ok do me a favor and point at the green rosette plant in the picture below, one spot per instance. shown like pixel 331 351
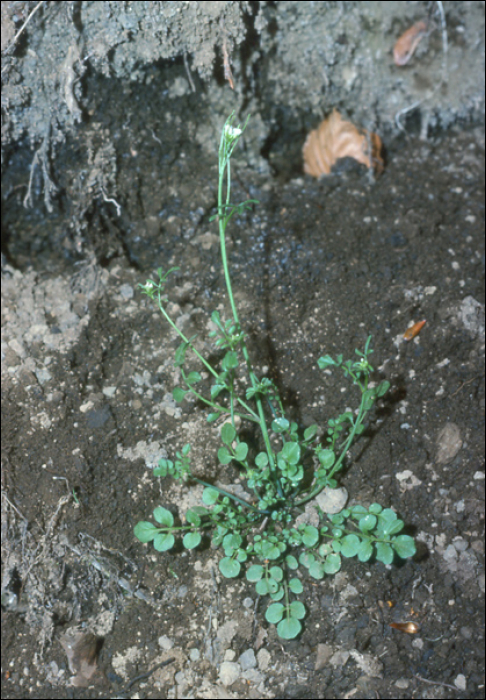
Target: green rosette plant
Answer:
pixel 284 470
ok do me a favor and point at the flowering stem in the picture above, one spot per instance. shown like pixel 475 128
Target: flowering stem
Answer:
pixel 229 139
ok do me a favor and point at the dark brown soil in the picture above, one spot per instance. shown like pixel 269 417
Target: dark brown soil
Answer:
pixel 87 411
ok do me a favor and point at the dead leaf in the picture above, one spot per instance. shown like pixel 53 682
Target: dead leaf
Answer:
pixel 335 138
pixel 405 46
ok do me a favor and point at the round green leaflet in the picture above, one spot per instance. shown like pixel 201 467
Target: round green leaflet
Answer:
pixel 289 628
pixel 145 531
pixel 261 460
pixel 255 572
pixel 291 452
pixel 384 553
pixel 224 456
pixel 229 567
pixel 210 496
pixel 332 563
pixel 375 508
pixel 297 609
pixel 275 613
pixel 163 541
pixel 232 541
pixel 310 535
pixel 404 546
pixel 191 540
pixel 367 523
pixel 365 550
pixel 350 546
pixel 276 573
pixel 296 586
pixel 163 516
pixel 228 433
pixel 266 585
pixel 178 394
pixel 241 451
pixel 316 569
pixel 291 562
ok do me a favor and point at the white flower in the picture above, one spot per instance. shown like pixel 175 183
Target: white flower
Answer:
pixel 232 132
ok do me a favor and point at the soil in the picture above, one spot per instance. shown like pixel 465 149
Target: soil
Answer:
pixel 87 408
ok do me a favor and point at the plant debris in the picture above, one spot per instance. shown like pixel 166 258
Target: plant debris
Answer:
pixel 414 330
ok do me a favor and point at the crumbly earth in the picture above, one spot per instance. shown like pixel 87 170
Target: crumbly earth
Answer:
pixel 317 266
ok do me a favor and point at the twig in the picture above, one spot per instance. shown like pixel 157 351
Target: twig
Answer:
pixel 463 385
pixel 189 76
pixel 149 673
pixel 425 680
pixel 28 197
pixel 23 27
pixel 14 507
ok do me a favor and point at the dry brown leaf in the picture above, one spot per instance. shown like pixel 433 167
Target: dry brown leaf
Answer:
pixel 405 46
pixel 336 138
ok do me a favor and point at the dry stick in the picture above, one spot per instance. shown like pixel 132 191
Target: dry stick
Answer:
pixel 23 27
pixel 149 673
pixel 28 197
pixel 14 507
pixel 425 680
pixel 186 66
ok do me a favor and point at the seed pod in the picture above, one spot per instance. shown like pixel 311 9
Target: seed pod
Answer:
pixel 414 330
pixel 408 627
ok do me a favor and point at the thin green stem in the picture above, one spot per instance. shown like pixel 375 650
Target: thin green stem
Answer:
pixel 222 409
pixel 230 495
pixel 181 334
pixel 338 463
pixel 224 167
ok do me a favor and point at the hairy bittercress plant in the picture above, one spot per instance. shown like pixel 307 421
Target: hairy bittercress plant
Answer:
pixel 284 469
